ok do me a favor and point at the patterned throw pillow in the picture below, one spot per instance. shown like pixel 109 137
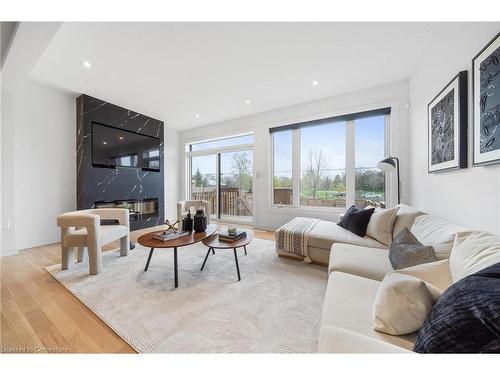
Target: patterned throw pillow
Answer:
pixel 407 251
pixel 466 318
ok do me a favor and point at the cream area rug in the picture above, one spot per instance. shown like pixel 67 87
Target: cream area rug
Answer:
pixel 275 308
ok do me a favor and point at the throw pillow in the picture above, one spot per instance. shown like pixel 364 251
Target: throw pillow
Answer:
pixel 405 218
pixel 402 304
pixel 406 251
pixel 466 318
pixel 432 230
pixel 356 220
pixel 381 224
pixel 473 251
pixel 436 274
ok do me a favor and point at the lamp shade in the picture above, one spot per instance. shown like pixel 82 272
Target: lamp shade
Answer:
pixel 387 165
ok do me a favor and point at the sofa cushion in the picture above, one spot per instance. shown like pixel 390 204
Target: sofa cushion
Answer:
pixel 403 303
pixel 356 220
pixel 348 305
pixel 466 318
pixel 407 251
pixel 404 218
pixel 432 230
pixel 360 260
pixel 325 233
pixel 342 341
pixel 381 225
pixel 473 251
pixel 435 273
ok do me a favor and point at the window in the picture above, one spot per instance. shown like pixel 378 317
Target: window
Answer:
pixel 322 165
pixel 282 173
pixel 330 162
pixel 369 181
pixel 221 172
pixel 224 142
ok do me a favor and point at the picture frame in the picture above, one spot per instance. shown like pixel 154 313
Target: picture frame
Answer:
pixel 486 104
pixel 447 120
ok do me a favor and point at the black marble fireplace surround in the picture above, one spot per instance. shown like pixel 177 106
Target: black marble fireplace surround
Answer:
pixel 142 191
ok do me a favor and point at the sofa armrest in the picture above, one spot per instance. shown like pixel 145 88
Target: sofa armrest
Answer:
pixel 338 340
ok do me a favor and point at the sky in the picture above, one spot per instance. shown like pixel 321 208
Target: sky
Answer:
pixel 369 145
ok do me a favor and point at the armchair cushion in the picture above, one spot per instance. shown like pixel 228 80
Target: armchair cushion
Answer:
pixel 109 233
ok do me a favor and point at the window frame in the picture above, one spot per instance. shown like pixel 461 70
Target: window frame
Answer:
pixel 350 167
pixel 217 151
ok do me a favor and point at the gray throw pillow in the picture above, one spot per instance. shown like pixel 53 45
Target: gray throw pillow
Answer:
pixel 407 251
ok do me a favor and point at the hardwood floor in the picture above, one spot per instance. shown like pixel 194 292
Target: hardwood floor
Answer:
pixel 40 315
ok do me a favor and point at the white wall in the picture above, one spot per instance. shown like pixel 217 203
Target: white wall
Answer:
pixel 394 95
pixel 471 196
pixel 38 149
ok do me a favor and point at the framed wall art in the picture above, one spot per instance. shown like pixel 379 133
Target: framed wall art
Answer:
pixel 447 126
pixel 486 99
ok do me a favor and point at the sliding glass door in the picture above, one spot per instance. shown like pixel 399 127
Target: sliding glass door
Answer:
pixel 204 180
pixel 235 192
pixel 222 173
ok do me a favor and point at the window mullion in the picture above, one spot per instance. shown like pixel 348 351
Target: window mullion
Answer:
pixel 296 167
pixel 350 163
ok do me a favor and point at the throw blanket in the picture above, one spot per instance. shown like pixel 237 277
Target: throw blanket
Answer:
pixel 293 236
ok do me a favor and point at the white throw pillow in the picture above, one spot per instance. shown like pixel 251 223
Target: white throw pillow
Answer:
pixel 472 251
pixel 405 218
pixel 437 275
pixel 432 230
pixel 381 224
pixel 402 304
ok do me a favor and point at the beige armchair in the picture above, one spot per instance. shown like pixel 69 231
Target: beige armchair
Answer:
pixel 83 230
pixel 184 206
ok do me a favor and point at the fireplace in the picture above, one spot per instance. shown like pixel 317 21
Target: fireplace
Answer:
pixel 140 209
pixel 140 190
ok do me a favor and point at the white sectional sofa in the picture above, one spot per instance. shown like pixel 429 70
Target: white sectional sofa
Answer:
pixel 356 273
pixel 357 266
pixel 325 233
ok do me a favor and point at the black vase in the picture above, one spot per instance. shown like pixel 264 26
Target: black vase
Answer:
pixel 199 221
pixel 187 223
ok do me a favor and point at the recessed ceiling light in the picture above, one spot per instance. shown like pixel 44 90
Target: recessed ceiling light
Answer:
pixel 104 143
pixel 86 64
pixel 197 115
pixel 315 83
pixel 248 101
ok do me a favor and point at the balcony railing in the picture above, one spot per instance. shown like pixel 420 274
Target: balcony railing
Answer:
pixel 284 196
pixel 234 202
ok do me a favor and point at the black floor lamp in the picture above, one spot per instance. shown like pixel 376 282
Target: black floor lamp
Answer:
pixel 388 165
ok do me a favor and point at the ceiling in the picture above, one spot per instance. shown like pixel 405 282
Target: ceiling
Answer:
pixel 193 74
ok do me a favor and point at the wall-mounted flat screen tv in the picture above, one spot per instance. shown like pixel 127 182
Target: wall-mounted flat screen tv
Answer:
pixel 114 147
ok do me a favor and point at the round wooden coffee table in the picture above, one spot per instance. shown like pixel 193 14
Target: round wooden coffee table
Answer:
pixel 148 241
pixel 213 242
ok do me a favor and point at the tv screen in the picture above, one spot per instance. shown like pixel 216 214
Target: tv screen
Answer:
pixel 114 147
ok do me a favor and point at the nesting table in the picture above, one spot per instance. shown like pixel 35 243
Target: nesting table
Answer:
pixel 213 243
pixel 147 240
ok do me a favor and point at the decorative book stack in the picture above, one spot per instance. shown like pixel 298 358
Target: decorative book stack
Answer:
pixel 165 236
pixel 226 236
